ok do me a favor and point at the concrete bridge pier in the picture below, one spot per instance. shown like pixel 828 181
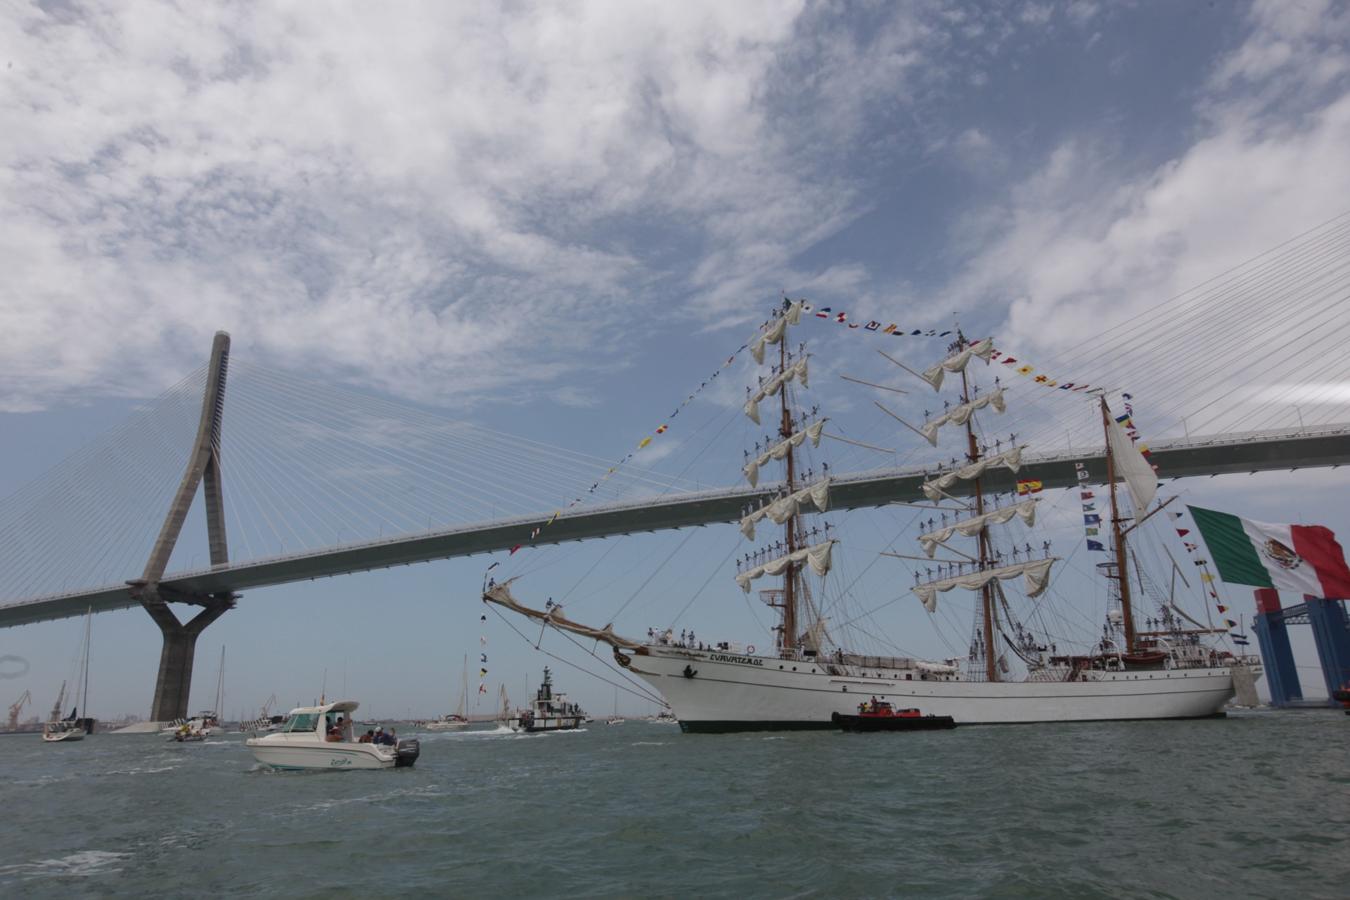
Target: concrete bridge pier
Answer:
pixel 173 683
pixel 204 468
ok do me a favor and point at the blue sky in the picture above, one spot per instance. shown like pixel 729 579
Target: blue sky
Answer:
pixel 556 220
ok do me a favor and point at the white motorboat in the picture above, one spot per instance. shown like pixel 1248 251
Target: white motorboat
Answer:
pixel 322 737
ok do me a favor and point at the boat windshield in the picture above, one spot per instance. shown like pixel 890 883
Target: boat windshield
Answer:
pixel 301 722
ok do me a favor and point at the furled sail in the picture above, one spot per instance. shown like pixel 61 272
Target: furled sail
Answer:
pixel 959 415
pixel 500 594
pixel 1026 511
pixel 774 333
pixel 979 350
pixel 781 449
pixel 1036 575
pixel 818 556
pixel 1012 459
pixel 1131 465
pixel 774 385
pixel 784 508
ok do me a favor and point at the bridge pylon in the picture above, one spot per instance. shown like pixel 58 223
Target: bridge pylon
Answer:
pixel 204 468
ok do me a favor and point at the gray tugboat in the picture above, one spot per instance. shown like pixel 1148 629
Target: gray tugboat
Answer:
pixel 549 711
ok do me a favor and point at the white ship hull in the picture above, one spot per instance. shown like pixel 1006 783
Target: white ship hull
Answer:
pixel 295 754
pixel 739 693
pixel 54 736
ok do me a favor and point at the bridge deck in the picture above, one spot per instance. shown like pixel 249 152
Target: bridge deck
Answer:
pixel 1176 459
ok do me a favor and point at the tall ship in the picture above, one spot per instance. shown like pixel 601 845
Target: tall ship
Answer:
pixel 1013 672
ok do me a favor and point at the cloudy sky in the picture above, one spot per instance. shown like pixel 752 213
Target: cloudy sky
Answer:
pixel 539 214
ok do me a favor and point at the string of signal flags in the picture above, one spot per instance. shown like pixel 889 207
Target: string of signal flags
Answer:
pixel 820 314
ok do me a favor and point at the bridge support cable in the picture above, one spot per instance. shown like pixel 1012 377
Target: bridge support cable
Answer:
pixel 174 679
pixel 1203 359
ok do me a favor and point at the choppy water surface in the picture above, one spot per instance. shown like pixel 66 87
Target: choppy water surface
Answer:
pixel 1256 806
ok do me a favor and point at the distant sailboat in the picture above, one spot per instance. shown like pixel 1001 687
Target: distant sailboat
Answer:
pixel 457 720
pixel 615 719
pixel 71 728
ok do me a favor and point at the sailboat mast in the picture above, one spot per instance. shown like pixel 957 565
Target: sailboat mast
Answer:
pixel 1122 573
pixel 84 693
pixel 220 685
pixel 788 639
pixel 986 595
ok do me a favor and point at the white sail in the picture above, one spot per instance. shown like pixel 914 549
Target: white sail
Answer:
pixel 1026 511
pixel 1036 576
pixel 1131 465
pixel 784 508
pixel 774 385
pixel 1012 459
pixel 775 332
pixel 979 350
pixel 818 556
pixel 959 415
pixel 781 449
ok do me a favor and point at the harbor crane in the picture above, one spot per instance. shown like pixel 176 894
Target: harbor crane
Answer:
pixel 17 707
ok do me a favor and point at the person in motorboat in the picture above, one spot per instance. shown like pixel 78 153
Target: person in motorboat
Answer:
pixel 321 737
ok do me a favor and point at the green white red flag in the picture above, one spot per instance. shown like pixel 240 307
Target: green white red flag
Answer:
pixel 1304 559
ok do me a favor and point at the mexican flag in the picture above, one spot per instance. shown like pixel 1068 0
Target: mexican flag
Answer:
pixel 1304 559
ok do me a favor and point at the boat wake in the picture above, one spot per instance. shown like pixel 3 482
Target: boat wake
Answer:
pixel 80 864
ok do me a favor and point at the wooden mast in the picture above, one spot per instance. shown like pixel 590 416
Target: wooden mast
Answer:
pixel 986 594
pixel 788 637
pixel 1122 573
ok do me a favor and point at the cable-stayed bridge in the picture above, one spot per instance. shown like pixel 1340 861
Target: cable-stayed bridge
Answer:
pixel 1265 451
pixel 298 480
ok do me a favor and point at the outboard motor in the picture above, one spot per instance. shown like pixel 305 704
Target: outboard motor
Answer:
pixel 406 752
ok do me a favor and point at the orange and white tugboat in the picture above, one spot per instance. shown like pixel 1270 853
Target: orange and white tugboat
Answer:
pixel 879 715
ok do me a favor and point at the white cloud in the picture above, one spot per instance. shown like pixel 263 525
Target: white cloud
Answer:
pixel 406 195
pixel 1087 242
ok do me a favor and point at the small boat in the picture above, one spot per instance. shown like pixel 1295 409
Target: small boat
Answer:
pixel 664 717
pixel 204 724
pixel 1342 696
pixel 64 730
pixel 185 734
pixel 549 711
pixel 615 719
pixel 322 737
pixel 457 720
pixel 72 727
pixel 878 715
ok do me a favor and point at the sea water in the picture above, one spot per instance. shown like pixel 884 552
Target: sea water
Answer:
pixel 1251 806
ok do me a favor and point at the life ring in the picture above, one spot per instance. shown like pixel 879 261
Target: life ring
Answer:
pixel 750 649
